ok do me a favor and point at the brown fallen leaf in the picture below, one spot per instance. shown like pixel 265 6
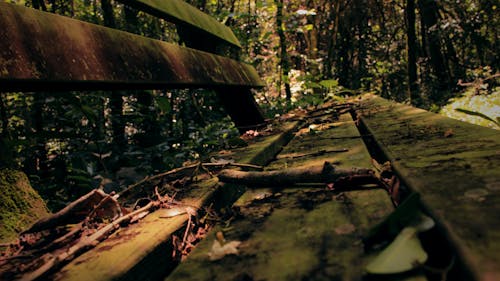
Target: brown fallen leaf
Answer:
pixel 345 229
pixel 448 133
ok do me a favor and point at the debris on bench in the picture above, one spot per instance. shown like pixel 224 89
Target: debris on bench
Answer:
pixel 327 173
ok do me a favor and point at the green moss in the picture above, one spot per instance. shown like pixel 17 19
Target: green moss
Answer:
pixel 20 204
pixel 186 13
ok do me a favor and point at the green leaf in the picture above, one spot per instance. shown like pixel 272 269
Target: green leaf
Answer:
pixel 163 104
pixel 329 84
pixel 475 113
pixel 89 113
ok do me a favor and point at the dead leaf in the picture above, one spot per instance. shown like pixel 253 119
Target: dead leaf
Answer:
pixel 221 161
pixel 448 133
pixel 219 251
pixel 345 229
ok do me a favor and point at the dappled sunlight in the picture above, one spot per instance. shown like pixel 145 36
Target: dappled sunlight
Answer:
pixel 488 105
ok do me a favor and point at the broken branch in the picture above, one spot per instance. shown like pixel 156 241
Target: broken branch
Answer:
pixel 315 174
pixel 187 171
pixel 84 244
pixel 311 154
pixel 72 212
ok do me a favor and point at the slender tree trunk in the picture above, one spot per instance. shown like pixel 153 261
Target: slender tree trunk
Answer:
pixel 428 12
pixel 411 45
pixel 108 14
pixel 39 5
pixel 362 27
pixel 5 138
pixel 116 99
pixel 333 42
pixel 284 63
pixel 117 124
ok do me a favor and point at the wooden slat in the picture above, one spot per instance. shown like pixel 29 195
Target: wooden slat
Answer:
pixel 300 233
pixel 455 168
pixel 42 51
pixel 143 251
pixel 180 12
pixel 283 240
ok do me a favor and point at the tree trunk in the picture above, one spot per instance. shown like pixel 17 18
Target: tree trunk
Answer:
pixel 428 12
pixel 329 62
pixel 115 100
pixel 117 124
pixel 6 157
pixel 411 44
pixel 284 63
pixel 108 14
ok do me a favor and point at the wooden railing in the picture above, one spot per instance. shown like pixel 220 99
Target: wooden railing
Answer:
pixel 47 52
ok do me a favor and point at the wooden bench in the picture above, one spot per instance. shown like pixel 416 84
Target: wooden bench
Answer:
pixel 40 51
pixel 300 233
pixel 92 57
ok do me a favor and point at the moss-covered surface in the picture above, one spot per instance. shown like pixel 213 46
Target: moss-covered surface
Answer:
pixel 299 233
pixel 331 135
pixel 263 149
pixel 454 166
pixel 181 12
pixel 89 58
pixel 20 204
pixel 143 251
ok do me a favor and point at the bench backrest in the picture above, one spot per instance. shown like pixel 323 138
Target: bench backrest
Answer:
pixel 41 51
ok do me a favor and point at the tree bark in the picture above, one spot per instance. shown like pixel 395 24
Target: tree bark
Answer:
pixel 108 14
pixel 284 63
pixel 428 12
pixel 411 44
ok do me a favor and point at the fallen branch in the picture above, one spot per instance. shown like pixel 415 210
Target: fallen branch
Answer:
pixel 71 213
pixel 53 262
pixel 187 171
pixel 315 174
pixel 310 154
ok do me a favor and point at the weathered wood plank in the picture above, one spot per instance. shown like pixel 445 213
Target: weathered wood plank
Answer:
pixel 180 12
pixel 287 238
pixel 43 51
pixel 143 251
pixel 300 233
pixel 454 167
pixel 325 137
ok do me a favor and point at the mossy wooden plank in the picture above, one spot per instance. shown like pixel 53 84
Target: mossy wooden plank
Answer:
pixel 94 57
pixel 287 238
pixel 140 251
pixel 454 167
pixel 264 149
pixel 301 233
pixel 143 251
pixel 326 137
pixel 180 12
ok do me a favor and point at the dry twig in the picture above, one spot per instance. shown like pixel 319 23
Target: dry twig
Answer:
pixel 55 261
